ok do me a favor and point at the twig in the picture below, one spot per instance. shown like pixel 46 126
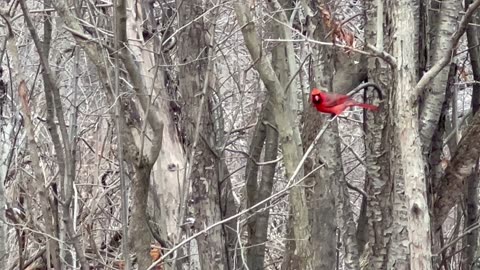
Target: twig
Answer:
pixel 31 260
pixel 383 55
pixel 473 228
pixel 310 149
pixel 352 187
pixel 120 147
pixel 298 71
pixel 374 51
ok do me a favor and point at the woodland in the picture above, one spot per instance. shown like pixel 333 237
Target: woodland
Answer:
pixel 184 134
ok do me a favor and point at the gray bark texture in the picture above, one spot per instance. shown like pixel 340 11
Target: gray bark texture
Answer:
pixel 460 167
pixel 446 24
pixel 260 188
pixel 322 197
pixel 379 153
pixel 404 13
pixel 471 193
pixel 194 70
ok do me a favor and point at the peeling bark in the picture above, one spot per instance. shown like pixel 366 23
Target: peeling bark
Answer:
pixel 435 93
pixel 462 164
pixel 405 44
pixel 380 153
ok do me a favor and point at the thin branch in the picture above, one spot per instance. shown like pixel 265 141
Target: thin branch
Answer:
pixel 86 37
pixel 373 52
pixel 361 191
pixel 471 229
pixel 383 55
pixel 297 71
pixel 310 148
pixel 119 125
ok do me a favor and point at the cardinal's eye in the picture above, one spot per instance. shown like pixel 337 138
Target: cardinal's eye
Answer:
pixel 317 99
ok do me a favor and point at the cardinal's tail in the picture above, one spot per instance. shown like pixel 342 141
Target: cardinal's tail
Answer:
pixel 366 106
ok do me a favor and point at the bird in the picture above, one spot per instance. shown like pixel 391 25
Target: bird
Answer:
pixel 336 104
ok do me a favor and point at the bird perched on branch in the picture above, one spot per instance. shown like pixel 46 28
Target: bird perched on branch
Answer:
pixel 336 104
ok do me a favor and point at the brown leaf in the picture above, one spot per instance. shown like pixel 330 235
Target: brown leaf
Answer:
pixel 22 92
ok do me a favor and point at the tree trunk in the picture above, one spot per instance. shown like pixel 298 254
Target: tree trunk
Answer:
pixel 141 236
pixel 5 153
pixel 194 51
pixel 289 137
pixel 322 204
pixel 471 196
pixel 435 94
pixel 405 21
pixel 380 151
pixel 259 189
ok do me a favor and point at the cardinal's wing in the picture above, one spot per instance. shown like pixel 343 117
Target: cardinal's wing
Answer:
pixel 332 99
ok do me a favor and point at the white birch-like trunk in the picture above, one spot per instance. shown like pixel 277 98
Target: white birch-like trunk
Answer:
pixel 405 13
pixel 167 174
pixel 5 148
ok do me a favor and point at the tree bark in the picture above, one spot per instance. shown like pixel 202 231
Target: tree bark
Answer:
pixel 330 194
pixel 167 174
pixel 322 201
pixel 6 147
pixel 405 20
pixel 194 51
pixel 435 93
pixel 471 196
pixel 258 190
pixel 380 151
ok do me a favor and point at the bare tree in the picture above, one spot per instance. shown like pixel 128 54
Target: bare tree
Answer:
pixel 172 135
pixel 196 84
pixel 133 152
pixel 6 146
pixel 289 138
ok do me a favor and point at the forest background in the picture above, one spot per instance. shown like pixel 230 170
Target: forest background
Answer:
pixel 179 134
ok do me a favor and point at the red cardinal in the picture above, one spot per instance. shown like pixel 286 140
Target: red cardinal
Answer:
pixel 335 104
